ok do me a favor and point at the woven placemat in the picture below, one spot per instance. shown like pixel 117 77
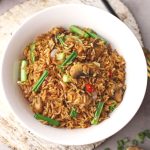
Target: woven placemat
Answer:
pixel 11 131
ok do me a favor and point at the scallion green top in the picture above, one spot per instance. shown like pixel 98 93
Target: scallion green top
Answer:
pixel 49 120
pixel 78 31
pixel 40 81
pixel 69 59
pixel 94 35
pixel 97 113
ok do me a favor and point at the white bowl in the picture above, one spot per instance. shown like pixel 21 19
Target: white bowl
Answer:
pixel 112 29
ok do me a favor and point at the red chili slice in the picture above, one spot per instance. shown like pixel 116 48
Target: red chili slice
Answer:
pixel 89 88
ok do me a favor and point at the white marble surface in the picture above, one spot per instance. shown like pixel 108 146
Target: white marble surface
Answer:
pixel 4 147
pixel 141 11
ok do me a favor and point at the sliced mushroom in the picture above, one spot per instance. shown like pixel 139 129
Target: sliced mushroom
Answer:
pixel 56 30
pixel 83 69
pixel 118 95
pixel 76 70
pixel 134 148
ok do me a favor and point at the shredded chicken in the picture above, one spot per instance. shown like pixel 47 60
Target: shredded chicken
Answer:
pixel 118 95
pixel 38 106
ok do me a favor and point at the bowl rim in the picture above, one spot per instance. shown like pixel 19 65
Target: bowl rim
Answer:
pixel 21 120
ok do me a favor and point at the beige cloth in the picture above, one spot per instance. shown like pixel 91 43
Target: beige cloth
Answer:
pixel 11 131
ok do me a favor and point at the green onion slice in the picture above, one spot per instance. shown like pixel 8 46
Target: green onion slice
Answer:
pixel 113 106
pixel 49 120
pixel 69 59
pixel 23 73
pixel 78 31
pixel 40 81
pixel 73 113
pixel 94 35
pixel 97 113
pixel 66 78
pixel 60 38
pixel 60 56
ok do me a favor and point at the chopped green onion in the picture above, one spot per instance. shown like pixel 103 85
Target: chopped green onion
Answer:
pixel 120 143
pixel 112 106
pixel 69 59
pixel 49 120
pixel 60 56
pixel 125 140
pixel 97 113
pixel 73 113
pixel 94 35
pixel 61 39
pixel 23 73
pixel 135 142
pixel 32 55
pixel 126 143
pixel 120 148
pixel 78 31
pixel 66 78
pixel 141 137
pixel 40 81
pixel 147 133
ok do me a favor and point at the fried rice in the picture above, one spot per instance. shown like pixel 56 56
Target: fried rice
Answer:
pixel 97 74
